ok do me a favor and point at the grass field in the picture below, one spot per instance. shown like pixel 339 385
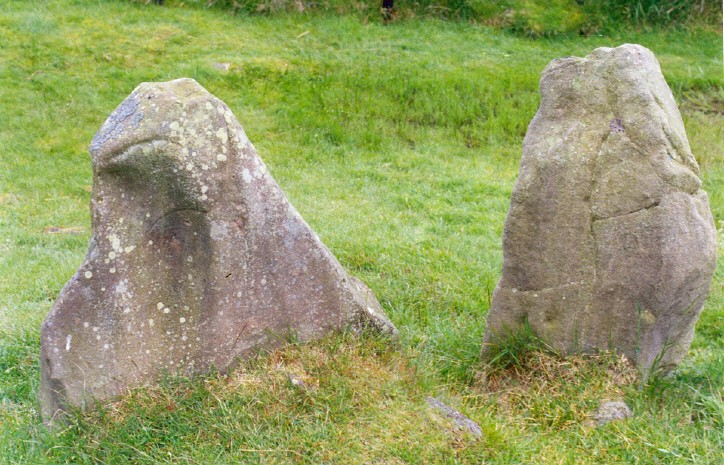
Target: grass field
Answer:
pixel 399 144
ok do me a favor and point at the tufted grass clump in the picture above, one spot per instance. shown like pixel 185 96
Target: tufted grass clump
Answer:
pixel 399 144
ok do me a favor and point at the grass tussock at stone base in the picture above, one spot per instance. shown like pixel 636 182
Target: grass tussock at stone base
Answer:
pixel 399 145
pixel 573 386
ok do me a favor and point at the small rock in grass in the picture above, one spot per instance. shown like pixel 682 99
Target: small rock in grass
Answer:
pixel 296 381
pixel 611 411
pixel 223 66
pixel 460 421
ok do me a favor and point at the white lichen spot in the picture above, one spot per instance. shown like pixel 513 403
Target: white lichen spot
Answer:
pixel 150 242
pixel 95 329
pixel 190 259
pixel 193 154
pixel 106 261
pixel 166 310
pixel 67 342
pixel 106 346
pixel 209 106
pixel 182 320
pixel 115 242
pixel 238 294
pixel 148 215
pixel 246 175
pixel 204 189
pixel 221 157
pixel 263 281
pixel 222 135
pixel 121 219
pixel 88 275
pixel 159 305
pixel 111 255
pixel 129 249
pixel 112 270
pixel 204 167
pixel 126 310
pixel 100 366
pixel 86 324
pixel 174 126
pixel 204 197
pixel 98 337
pixel 150 322
pixel 190 166
pixel 148 351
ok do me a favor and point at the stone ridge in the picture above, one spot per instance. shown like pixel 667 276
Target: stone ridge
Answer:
pixel 609 241
pixel 196 257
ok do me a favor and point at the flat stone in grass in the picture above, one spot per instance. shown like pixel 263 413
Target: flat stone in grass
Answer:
pixel 609 241
pixel 196 257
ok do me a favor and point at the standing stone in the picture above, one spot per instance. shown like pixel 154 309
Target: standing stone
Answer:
pixel 609 241
pixel 196 257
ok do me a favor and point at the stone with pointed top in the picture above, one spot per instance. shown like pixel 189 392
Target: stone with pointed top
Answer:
pixel 609 241
pixel 196 258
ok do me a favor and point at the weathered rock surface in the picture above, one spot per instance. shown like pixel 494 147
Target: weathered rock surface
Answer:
pixel 611 411
pixel 459 421
pixel 196 256
pixel 609 241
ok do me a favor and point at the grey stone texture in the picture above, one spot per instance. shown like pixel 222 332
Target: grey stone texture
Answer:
pixel 196 257
pixel 609 242
pixel 459 421
pixel 612 411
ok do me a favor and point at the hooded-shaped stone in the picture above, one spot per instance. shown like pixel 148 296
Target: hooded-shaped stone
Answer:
pixel 196 256
pixel 609 241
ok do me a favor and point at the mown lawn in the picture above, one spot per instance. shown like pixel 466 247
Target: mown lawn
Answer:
pixel 399 145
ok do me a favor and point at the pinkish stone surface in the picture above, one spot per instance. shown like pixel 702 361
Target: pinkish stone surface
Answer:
pixel 196 258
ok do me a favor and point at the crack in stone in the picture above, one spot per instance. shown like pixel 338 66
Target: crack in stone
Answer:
pixel 560 286
pixel 647 207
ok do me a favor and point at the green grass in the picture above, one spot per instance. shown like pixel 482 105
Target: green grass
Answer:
pixel 400 145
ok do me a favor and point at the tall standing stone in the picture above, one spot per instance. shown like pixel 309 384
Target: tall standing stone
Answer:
pixel 609 241
pixel 196 257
